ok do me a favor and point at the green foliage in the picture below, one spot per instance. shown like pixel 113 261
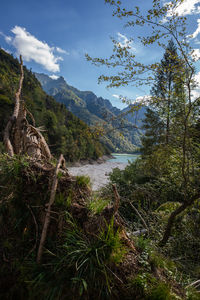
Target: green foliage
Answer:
pixel 140 283
pixel 83 180
pixel 89 260
pixel 143 244
pixel 156 196
pixel 97 204
pixel 192 294
pixel 186 232
pixel 77 264
pixel 145 186
pixel 158 260
pixel 148 287
pixel 161 292
pixel 153 126
pixel 170 153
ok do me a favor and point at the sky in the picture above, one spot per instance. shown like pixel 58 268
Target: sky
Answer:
pixel 54 35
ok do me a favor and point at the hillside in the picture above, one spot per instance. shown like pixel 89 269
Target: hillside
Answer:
pixel 64 132
pixel 119 133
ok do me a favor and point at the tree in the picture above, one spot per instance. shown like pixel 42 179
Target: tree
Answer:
pixel 165 103
pixel 164 23
pixel 167 88
pixel 19 136
pixel 154 132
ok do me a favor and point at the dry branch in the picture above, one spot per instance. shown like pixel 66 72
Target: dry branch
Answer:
pixel 7 142
pixel 60 162
pixel 117 199
pixel 19 136
pixel 139 215
pixel 194 284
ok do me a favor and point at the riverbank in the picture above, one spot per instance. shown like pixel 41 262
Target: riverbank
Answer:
pixel 98 172
pixel 100 160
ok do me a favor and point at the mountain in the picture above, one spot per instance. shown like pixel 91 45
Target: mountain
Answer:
pixel 119 132
pixel 135 114
pixel 64 132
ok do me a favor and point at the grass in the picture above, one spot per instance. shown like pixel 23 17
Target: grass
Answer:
pixel 97 204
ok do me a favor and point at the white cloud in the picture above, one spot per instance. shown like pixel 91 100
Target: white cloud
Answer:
pixel 196 91
pixel 196 54
pixel 187 7
pixel 8 39
pixel 33 49
pixel 6 50
pixel 59 50
pixel 116 96
pixel 195 94
pixel 123 41
pixel 139 99
pixel 54 77
pixel 143 99
pixel 197 31
pixel 197 42
pixel 197 77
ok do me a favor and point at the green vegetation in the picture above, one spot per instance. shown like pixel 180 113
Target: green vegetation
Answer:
pixel 86 253
pixel 160 192
pixel 97 204
pixel 141 241
pixel 64 132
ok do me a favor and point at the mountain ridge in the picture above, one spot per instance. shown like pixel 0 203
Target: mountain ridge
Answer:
pixel 120 135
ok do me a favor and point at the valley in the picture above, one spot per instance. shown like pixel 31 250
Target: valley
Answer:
pixel 120 130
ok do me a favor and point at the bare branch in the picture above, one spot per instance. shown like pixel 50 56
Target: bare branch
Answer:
pixel 60 162
pixel 117 199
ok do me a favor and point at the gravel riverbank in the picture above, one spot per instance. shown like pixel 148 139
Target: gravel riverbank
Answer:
pixel 98 173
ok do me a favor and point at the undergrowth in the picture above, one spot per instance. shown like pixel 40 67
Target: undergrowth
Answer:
pixel 87 253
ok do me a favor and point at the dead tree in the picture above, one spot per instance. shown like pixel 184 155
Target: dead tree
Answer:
pixel 20 137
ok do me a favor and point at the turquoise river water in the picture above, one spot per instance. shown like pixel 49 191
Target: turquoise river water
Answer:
pixel 123 157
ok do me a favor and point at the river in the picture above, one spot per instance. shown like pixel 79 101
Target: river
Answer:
pixel 99 173
pixel 123 157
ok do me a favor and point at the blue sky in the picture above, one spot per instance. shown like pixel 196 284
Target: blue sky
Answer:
pixel 64 30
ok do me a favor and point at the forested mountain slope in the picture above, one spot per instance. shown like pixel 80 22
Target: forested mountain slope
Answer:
pixel 64 132
pixel 119 133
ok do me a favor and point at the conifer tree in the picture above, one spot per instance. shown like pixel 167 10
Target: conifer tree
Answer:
pixel 154 132
pixel 167 88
